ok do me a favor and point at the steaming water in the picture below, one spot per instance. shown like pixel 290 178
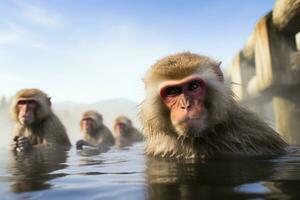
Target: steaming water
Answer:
pixel 128 174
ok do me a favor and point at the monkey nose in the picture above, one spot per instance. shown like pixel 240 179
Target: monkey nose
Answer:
pixel 186 107
pixel 26 107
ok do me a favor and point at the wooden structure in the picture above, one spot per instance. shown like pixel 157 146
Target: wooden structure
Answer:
pixel 267 69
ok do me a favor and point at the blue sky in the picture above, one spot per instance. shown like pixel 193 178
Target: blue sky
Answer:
pixel 91 50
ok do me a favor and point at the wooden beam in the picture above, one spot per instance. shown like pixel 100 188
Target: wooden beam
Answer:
pixel 241 72
pixel 236 77
pixel 286 15
pixel 252 88
pixel 273 51
pixel 298 41
pixel 248 50
pixel 295 62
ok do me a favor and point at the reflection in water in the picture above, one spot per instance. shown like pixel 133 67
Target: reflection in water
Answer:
pixel 92 151
pixel 87 156
pixel 219 179
pixel 89 152
pixel 127 174
pixel 32 171
pixel 286 176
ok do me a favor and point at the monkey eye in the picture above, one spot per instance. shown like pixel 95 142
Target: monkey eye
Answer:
pixel 87 119
pixel 173 91
pixel 120 124
pixel 28 102
pixel 21 102
pixel 194 85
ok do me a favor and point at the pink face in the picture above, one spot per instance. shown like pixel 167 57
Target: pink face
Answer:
pixel 185 100
pixel 120 126
pixel 88 124
pixel 26 109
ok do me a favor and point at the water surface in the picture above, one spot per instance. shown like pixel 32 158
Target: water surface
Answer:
pixel 128 174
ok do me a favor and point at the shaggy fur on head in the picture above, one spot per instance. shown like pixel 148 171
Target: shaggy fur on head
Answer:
pixel 231 128
pixel 98 119
pixel 42 99
pixel 124 119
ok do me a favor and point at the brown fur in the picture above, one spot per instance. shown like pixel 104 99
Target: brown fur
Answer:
pixel 130 134
pixel 231 128
pixel 101 135
pixel 47 128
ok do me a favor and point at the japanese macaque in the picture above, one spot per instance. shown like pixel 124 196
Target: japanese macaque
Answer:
pixel 35 123
pixel 125 133
pixel 96 134
pixel 188 112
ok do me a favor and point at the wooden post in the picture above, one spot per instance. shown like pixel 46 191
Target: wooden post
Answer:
pixel 275 76
pixel 272 55
pixel 241 72
pixel 286 15
pixel 236 78
pixel 287 115
pixel 298 41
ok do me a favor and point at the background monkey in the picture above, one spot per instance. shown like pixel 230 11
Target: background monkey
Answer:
pixel 35 123
pixel 188 112
pixel 125 133
pixel 96 134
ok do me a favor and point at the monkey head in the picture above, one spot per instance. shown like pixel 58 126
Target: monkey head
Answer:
pixel 30 106
pixel 122 125
pixel 91 121
pixel 185 100
pixel 185 95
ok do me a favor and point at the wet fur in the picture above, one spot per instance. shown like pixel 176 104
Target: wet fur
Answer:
pixel 232 130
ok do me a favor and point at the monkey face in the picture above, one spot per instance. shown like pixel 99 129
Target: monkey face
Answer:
pixel 185 100
pixel 88 124
pixel 26 111
pixel 122 127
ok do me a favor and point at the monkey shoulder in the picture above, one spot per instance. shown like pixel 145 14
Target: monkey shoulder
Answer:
pixel 106 135
pixel 136 135
pixel 244 131
pixel 55 132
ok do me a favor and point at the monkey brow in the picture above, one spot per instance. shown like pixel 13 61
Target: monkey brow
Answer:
pixel 120 123
pixel 23 102
pixel 87 118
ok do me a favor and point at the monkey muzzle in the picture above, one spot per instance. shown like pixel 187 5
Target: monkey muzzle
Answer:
pixel 121 127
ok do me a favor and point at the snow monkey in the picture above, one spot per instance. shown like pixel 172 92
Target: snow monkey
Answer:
pixel 96 134
pixel 35 123
pixel 188 112
pixel 124 132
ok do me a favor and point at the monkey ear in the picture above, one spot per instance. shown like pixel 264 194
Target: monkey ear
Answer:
pixel 49 101
pixel 219 72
